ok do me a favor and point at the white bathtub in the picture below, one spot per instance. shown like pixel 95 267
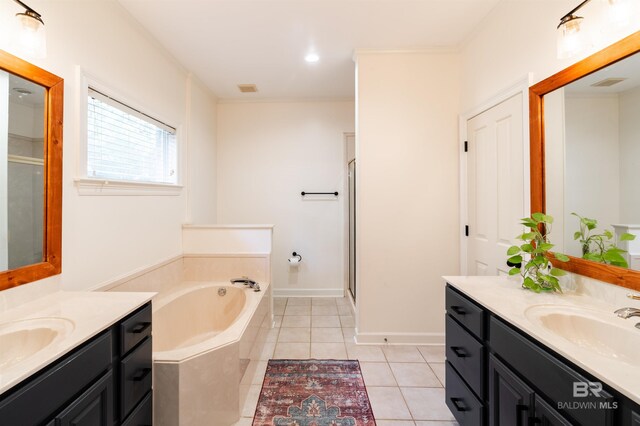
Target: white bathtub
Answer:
pixel 201 343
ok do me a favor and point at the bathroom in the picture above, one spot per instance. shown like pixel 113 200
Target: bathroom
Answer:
pixel 392 89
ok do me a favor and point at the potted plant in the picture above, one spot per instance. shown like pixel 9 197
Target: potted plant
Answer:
pixel 531 260
pixel 601 247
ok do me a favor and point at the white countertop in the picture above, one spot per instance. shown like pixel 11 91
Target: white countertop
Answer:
pixel 506 298
pixel 87 314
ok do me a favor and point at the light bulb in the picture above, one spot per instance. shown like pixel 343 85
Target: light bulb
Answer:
pixel 30 35
pixel 312 57
pixel 571 39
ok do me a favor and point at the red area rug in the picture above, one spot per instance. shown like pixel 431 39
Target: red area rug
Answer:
pixel 313 393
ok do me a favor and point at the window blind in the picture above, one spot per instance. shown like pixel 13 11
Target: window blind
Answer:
pixel 126 144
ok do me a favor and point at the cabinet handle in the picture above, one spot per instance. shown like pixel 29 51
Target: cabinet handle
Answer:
pixel 141 374
pixel 457 402
pixel 458 310
pixel 460 352
pixel 519 409
pixel 139 328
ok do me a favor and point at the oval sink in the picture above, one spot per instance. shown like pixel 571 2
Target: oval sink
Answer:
pixel 20 340
pixel 586 328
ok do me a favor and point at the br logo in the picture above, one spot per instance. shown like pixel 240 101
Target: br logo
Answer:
pixel 584 389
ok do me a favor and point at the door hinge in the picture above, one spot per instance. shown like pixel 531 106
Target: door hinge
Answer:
pixel 466 146
pixel 466 230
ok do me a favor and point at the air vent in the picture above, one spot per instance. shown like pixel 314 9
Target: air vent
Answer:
pixel 248 88
pixel 607 82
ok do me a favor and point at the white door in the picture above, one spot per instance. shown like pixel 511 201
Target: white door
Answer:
pixel 495 186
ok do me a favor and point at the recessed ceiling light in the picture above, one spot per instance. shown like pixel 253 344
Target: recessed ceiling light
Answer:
pixel 312 57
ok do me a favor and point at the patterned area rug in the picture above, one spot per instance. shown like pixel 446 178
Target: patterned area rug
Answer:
pixel 313 393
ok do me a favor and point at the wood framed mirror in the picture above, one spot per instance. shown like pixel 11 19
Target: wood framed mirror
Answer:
pixel 30 172
pixel 568 112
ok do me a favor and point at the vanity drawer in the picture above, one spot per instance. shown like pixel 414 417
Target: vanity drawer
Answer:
pixel 548 374
pixel 465 312
pixel 135 329
pixel 135 377
pixel 466 354
pixel 143 414
pixel 466 408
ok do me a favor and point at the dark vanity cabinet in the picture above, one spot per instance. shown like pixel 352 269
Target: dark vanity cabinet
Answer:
pixel 105 381
pixel 498 375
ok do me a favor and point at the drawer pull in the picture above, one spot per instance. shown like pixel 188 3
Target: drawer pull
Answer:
pixel 458 310
pixel 520 408
pixel 141 374
pixel 460 352
pixel 457 402
pixel 140 327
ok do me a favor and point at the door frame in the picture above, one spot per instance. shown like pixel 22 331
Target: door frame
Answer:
pixel 520 87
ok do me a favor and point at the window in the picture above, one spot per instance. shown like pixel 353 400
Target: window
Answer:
pixel 124 144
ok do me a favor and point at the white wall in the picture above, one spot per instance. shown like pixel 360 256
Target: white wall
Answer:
pixel 629 157
pixel 516 38
pixel 201 162
pixel 407 206
pixel 267 154
pixel 106 237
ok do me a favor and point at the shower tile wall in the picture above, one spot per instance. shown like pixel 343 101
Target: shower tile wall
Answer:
pixel 26 202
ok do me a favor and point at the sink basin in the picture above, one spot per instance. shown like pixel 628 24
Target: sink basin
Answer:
pixel 589 329
pixel 20 340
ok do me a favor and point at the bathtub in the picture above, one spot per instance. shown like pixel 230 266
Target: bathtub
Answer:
pixel 204 335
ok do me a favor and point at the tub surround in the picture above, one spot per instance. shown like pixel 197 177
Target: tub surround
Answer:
pixel 85 315
pixel 505 298
pixel 197 373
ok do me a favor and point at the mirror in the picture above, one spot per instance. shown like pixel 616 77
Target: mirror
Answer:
pixel 31 101
pixel 585 162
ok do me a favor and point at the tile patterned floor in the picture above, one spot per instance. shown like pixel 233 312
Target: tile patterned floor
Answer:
pixel 405 383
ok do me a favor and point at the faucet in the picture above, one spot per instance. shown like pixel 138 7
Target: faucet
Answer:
pixel 628 312
pixel 246 281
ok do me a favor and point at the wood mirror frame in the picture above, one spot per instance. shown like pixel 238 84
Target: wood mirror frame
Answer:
pixel 612 274
pixel 52 231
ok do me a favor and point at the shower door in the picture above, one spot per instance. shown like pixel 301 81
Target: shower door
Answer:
pixel 352 228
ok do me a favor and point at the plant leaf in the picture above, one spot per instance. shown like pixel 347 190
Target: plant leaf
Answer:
pixel 545 247
pixel 538 217
pixel 614 257
pixel 528 236
pixel 561 257
pixel 529 222
pixel 531 285
pixel 514 271
pixel 577 235
pixel 627 237
pixel 557 272
pixel 515 259
pixel 513 250
pixel 527 248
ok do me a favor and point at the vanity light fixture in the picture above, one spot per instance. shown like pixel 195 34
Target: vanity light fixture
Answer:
pixel 31 37
pixel 571 38
pixel 620 12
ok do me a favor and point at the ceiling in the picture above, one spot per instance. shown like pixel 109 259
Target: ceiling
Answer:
pixel 627 69
pixel 264 42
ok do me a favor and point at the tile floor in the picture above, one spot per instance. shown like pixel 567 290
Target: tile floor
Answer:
pixel 405 383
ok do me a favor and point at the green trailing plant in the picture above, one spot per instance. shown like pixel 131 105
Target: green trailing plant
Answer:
pixel 531 260
pixel 600 247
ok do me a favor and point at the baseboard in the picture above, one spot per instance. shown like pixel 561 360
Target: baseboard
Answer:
pixel 399 338
pixel 308 292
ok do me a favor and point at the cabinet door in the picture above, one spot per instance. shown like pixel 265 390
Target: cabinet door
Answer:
pixel 510 399
pixel 92 408
pixel 546 415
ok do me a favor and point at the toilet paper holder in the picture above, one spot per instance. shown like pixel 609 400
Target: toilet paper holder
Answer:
pixel 294 254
